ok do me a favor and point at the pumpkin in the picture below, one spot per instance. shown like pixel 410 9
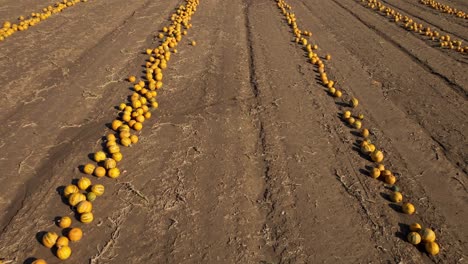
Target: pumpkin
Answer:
pixel 99 156
pixel 377 156
pixel 111 143
pixel 122 106
pixel 61 242
pixel 414 238
pixel 408 208
pixel 76 198
pixel 39 261
pixel 117 156
pixel 140 119
pixel 84 183
pixel 193 43
pixel 89 168
pixel 70 189
pixel 64 252
pixel 381 167
pixel 154 104
pixel 100 172
pixel 428 235
pixel 432 248
pixel 351 120
pixel 366 148
pixel 91 196
pixel 365 133
pixel 138 126
pixel 126 142
pixel 116 124
pixel 75 234
pixel 390 179
pixel 396 197
pixel 114 173
pixel 111 137
pixel 49 239
pixel 84 207
pixel 331 90
pixel 361 116
pixel 147 114
pixel 124 134
pixel 328 57
pixel 98 189
pixel 357 124
pixel 375 173
pixel 415 227
pixel 86 218
pixel 124 128
pixel 354 102
pixel 64 222
pixel 113 149
pixel 134 139
pixel 110 163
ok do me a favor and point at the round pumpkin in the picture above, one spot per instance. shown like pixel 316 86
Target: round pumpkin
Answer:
pixel 415 227
pixel 111 137
pixel 377 156
pixel 154 104
pixel 117 156
pixel 114 149
pixel 86 218
pixel 100 156
pixel 354 102
pixel 126 142
pixel 357 124
pixel 114 173
pixel 351 121
pixel 124 134
pixel 98 189
pixel 91 196
pixel 89 168
pixel 39 261
pixel 414 238
pixel 110 163
pixel 375 173
pixel 62 241
pixel 75 234
pixel 76 198
pixel 361 116
pixel 49 239
pixel 122 106
pixel 100 172
pixel 65 222
pixel 428 235
pixel 408 208
pixel 396 197
pixel 84 207
pixel 134 139
pixel 432 248
pixel 138 126
pixel 84 183
pixel 390 179
pixel 111 143
pixel 147 114
pixel 366 148
pixel 64 252
pixel 116 124
pixel 70 189
pixel 381 167
pixel 365 133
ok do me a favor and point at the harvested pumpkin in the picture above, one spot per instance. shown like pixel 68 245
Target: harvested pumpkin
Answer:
pixel 415 227
pixel 114 173
pixel 432 248
pixel 408 208
pixel 87 218
pixel 100 172
pixel 100 156
pixel 377 156
pixel 354 102
pixel 390 179
pixel 414 238
pixel 75 234
pixel 428 235
pixel 117 156
pixel 375 173
pixel 76 198
pixel 347 114
pixel 110 163
pixel 64 222
pixel 84 207
pixel 39 261
pixel 89 168
pixel 365 133
pixel 64 252
pixel 91 196
pixel 70 189
pixel 62 241
pixel 98 189
pixel 396 197
pixel 49 239
pixel 84 183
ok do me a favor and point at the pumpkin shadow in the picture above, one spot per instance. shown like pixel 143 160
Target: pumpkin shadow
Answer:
pixel 29 260
pixel 40 235
pixel 356 133
pixel 342 104
pixel 66 231
pixel 403 232
pixel 386 196
pixel 365 172
pixel 108 125
pixel 57 220
pixel 75 182
pixel 91 157
pixel 81 168
pixel 60 191
pixel 358 150
pixel 395 207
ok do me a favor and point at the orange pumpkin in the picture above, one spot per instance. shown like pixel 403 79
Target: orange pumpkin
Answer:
pixel 64 222
pixel 62 241
pixel 100 172
pixel 408 208
pixel 70 189
pixel 75 234
pixel 377 156
pixel 49 239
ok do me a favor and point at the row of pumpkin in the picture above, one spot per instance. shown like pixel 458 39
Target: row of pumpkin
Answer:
pixel 417 234
pixel 24 23
pixel 410 24
pixel 132 115
pixel 444 8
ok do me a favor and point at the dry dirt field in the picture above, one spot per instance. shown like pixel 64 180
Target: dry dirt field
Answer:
pixel 247 159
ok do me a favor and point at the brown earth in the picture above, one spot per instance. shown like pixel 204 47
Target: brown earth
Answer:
pixel 246 160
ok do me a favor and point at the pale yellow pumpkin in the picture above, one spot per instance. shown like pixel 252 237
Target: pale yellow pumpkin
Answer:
pixel 49 239
pixel 61 242
pixel 377 156
pixel 414 238
pixel 87 218
pixel 98 189
pixel 432 248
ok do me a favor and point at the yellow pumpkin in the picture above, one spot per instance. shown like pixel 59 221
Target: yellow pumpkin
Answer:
pixel 76 198
pixel 357 124
pixel 89 168
pixel 193 43
pixel 366 148
pixel 98 189
pixel 111 137
pixel 331 90
pixel 114 173
pixel 132 79
pixel 361 116
pixel 111 143
pixel 124 134
pixel 84 207
pixel 432 248
pixel 61 242
pixel 114 149
pixel 428 235
pixel 100 172
pixel 147 114
pixel 328 57
pixel 415 227
pixel 396 197
pixel 138 126
pixel 86 218
pixel 84 183
pixel 117 156
pixel 75 234
pixel 64 252
pixel 408 208
pixel 351 120
pixel 70 189
pixel 116 124
pixel 110 163
pixel 377 156
pixel 126 142
pixel 154 104
pixel 65 222
pixel 390 179
pixel 39 261
pixel 414 238
pixel 134 139
pixel 100 156
pixel 375 173
pixel 49 239
pixel 354 102
pixel 365 133
pixel 381 167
